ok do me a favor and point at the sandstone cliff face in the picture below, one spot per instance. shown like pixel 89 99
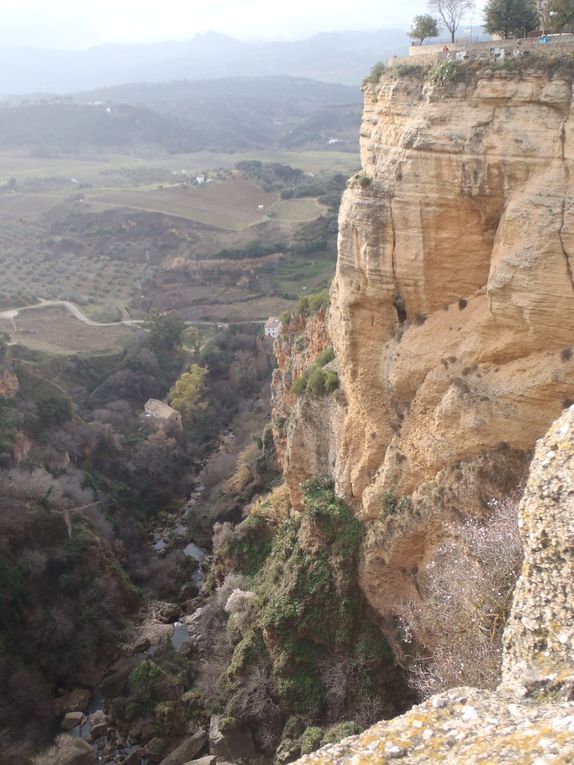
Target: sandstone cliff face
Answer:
pixel 452 309
pixel 305 429
pixel 531 715
pixel 453 305
pixel 539 635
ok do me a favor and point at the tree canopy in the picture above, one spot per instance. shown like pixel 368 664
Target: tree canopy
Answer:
pixel 561 14
pixel 166 330
pixel 451 12
pixel 192 338
pixel 422 27
pixel 186 393
pixel 510 18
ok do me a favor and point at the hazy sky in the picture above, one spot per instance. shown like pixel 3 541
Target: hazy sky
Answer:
pixel 82 23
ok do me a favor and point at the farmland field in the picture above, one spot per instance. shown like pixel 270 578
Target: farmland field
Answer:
pixel 118 235
pixel 89 168
pixel 297 209
pixel 232 204
pixel 56 331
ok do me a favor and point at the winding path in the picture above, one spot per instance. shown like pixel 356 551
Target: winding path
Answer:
pixel 81 316
pixel 72 308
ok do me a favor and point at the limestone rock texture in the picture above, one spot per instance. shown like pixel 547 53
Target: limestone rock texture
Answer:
pixel 452 310
pixel 530 718
pixel 539 634
pixel 305 429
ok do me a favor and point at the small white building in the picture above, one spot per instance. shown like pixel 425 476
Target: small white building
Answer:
pixel 272 326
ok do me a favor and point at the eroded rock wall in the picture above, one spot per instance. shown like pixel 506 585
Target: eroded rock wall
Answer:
pixel 305 428
pixel 452 311
pixel 453 305
pixel 530 718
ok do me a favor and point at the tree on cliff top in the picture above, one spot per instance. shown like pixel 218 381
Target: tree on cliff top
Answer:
pixel 561 13
pixel 510 18
pixel 423 26
pixel 451 12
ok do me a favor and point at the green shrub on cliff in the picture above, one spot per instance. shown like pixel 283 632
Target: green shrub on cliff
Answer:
pixel 322 382
pixel 311 304
pixel 315 379
pixel 310 646
pixel 376 73
pixel 311 739
pixel 447 72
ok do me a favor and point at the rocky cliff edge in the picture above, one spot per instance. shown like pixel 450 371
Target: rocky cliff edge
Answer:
pixel 452 308
pixel 530 718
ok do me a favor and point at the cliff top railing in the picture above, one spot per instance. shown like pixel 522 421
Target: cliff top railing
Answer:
pixel 487 50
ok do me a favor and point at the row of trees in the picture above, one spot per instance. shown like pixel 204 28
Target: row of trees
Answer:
pixel 506 18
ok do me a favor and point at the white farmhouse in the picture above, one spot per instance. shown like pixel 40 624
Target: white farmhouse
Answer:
pixel 272 327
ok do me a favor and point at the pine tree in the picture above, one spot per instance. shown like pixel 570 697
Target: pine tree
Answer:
pixel 510 18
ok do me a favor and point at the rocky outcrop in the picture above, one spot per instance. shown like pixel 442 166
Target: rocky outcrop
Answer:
pixel 187 750
pixel 539 635
pixel 305 428
pixel 68 751
pixel 453 305
pixel 452 309
pixel 530 719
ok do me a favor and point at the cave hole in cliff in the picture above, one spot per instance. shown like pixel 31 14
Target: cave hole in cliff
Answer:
pixel 399 306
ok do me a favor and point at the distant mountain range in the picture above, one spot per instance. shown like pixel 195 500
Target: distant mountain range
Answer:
pixel 335 57
pixel 229 114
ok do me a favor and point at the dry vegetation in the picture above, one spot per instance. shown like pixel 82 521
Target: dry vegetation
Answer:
pixel 466 593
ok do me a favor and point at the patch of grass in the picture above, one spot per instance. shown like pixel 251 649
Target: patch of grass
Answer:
pixel 376 73
pixel 409 70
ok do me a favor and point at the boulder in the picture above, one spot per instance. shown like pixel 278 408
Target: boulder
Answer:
pixel 229 739
pixel 75 700
pixel 168 613
pixel 68 751
pixel 154 748
pixel 72 719
pixel 207 760
pixel 141 645
pixel 187 750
